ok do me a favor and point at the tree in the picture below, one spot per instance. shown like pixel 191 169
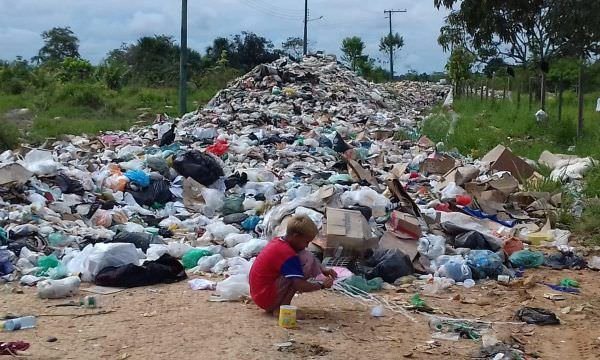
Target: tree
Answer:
pixel 293 47
pixel 564 72
pixel 459 67
pixel 252 50
pixel 353 48
pixel 75 69
pixel 519 30
pixel 59 44
pixel 391 43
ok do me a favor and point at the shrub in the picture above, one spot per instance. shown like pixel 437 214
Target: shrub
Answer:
pixel 9 136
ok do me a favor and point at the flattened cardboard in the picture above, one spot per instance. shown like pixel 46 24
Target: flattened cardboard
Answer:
pixel 14 173
pixel 363 173
pixel 506 184
pixel 502 159
pixel 349 229
pixel 407 204
pixel 425 142
pixel 391 241
pixel 440 164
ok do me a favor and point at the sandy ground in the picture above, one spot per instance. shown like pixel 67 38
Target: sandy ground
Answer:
pixel 174 322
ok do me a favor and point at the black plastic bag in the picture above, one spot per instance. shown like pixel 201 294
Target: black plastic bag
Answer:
pixel 157 192
pixel 140 240
pixel 68 185
pixel 562 261
pixel 236 179
pixel 473 240
pixel 537 316
pixel 339 144
pixel 389 264
pixel 165 269
pixel 201 167
pixel 325 142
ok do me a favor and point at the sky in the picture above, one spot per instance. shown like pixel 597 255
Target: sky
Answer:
pixel 105 25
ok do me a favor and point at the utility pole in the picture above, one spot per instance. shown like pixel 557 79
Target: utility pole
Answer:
pixel 390 12
pixel 305 45
pixel 183 61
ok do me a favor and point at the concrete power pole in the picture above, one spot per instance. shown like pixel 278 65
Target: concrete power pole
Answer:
pixel 183 61
pixel 305 44
pixel 390 12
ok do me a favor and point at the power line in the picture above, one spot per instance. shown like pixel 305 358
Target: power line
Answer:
pixel 269 11
pixel 280 10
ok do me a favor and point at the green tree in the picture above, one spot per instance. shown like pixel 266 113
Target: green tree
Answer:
pixel 252 50
pixel 459 67
pixel 293 47
pixel 353 48
pixel 390 43
pixel 73 69
pixel 59 43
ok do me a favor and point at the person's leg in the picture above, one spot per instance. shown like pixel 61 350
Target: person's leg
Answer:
pixel 285 294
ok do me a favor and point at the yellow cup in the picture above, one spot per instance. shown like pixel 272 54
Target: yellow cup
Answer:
pixel 287 316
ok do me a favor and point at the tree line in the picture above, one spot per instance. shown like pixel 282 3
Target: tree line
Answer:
pixel 542 40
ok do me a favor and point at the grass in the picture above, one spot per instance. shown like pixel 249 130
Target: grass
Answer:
pixel 90 107
pixel 484 124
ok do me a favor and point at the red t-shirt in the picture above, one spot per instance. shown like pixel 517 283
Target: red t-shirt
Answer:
pixel 277 259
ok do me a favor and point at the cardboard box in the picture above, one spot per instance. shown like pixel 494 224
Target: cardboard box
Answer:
pixel 440 164
pixel 349 229
pixel 502 159
pixel 404 225
pixel 390 241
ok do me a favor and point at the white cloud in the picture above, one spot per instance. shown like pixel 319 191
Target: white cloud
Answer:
pixel 102 26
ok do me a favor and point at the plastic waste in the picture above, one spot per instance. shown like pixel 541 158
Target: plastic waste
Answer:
pixel 250 223
pixel 45 263
pixel 158 192
pixel 389 265
pixel 207 262
pixel 366 196
pixel 378 311
pixel 251 248
pixel 537 316
pixel 455 270
pixel 232 240
pixel 594 263
pixel 21 323
pixel 219 230
pixel 102 218
pixel 190 258
pixel 138 177
pixel 201 167
pixel 437 285
pixel 40 162
pixel 156 250
pixel 6 266
pixel 468 283
pixel 358 282
pixel 57 289
pixel 233 204
pixel 451 191
pixel 484 263
pixel 141 240
pixel 432 246
pixel 219 148
pixel 177 249
pixel 202 284
pixel 94 258
pixel 233 288
pixel 527 259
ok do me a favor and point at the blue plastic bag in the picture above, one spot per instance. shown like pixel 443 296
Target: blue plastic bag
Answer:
pixel 484 263
pixel 250 223
pixel 138 177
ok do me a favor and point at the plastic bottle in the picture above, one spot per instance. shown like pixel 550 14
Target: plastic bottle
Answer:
pixel 468 283
pixel 90 302
pixel 25 322
pixel 56 289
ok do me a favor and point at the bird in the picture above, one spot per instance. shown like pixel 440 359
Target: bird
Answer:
pixel 168 137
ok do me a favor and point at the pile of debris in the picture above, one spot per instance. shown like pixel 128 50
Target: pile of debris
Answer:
pixel 288 138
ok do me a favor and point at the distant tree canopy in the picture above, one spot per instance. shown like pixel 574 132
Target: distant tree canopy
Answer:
pixel 352 49
pixel 59 43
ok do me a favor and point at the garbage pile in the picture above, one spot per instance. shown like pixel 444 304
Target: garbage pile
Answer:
pixel 287 138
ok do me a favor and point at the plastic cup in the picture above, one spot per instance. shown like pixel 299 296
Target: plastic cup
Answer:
pixel 287 316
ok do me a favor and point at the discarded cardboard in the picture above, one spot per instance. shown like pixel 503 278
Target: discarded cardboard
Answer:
pixel 439 164
pixel 460 175
pixel 14 173
pixel 363 173
pixel 407 204
pixel 425 142
pixel 404 225
pixel 506 183
pixel 391 241
pixel 348 229
pixel 502 159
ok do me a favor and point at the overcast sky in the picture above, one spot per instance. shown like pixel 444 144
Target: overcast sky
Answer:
pixel 104 25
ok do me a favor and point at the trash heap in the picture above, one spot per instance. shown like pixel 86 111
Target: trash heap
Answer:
pixel 287 138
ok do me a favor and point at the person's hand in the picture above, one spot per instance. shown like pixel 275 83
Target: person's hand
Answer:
pixel 330 273
pixel 328 282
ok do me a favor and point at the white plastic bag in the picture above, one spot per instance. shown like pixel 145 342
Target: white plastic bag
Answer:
pixel 251 248
pixel 155 251
pixel 177 249
pixel 94 258
pixel 202 284
pixel 220 267
pixel 451 191
pixel 232 240
pixel 233 288
pixel 205 263
pixel 239 265
pixel 40 162
pixel 57 289
pixel 219 230
pixel 366 196
pixel 432 246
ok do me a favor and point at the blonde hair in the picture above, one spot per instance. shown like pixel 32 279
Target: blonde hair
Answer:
pixel 301 225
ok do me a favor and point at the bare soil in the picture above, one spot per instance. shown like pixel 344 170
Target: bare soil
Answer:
pixel 174 322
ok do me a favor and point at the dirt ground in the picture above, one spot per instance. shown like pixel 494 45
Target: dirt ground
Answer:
pixel 174 322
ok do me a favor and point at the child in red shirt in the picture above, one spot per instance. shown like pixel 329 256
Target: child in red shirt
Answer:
pixel 284 266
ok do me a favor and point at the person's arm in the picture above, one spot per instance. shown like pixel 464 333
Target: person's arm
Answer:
pixel 302 285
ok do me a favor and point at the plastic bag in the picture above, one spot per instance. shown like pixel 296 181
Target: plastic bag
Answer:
pixel 202 284
pixel 138 177
pixel 45 263
pixel 40 162
pixel 219 148
pixel 359 282
pixel 155 251
pixel 389 264
pixel 527 259
pixel 102 218
pixel 6 266
pixel 537 316
pixel 190 258
pixel 451 191
pixel 366 196
pixel 484 263
pixel 232 240
pixel 233 288
pixel 207 262
pixel 455 270
pixel 250 223
pixel 251 248
pixel 177 249
pixel 432 246
pixel 214 200
pixel 233 204
pixel 238 265
pixel 94 258
pixel 219 230
pixel 201 167
pixel 159 191
pixel 219 267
